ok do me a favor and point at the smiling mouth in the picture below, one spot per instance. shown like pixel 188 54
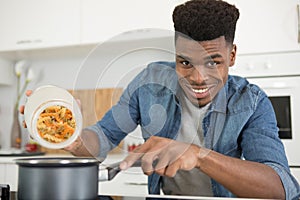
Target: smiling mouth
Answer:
pixel 200 91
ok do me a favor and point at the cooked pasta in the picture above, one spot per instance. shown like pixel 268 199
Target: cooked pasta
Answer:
pixel 56 124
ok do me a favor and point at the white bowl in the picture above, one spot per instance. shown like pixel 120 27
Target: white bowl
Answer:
pixel 44 97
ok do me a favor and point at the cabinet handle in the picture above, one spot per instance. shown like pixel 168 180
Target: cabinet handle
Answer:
pixel 23 42
pixel 298 13
pixel 29 41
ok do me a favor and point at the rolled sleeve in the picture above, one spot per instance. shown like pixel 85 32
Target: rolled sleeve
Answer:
pixel 290 184
pixel 261 144
pixel 105 144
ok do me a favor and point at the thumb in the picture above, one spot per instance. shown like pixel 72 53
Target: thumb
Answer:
pixel 79 102
pixel 124 165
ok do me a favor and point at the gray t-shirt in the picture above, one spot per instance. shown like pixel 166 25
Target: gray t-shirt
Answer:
pixel 193 182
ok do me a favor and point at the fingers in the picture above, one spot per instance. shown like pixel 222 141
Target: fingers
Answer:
pixel 163 156
pixel 130 160
pixel 24 124
pixel 168 170
pixel 148 154
pixel 149 163
pixel 21 109
pixel 168 165
pixel 28 92
pixel 79 102
pixel 137 154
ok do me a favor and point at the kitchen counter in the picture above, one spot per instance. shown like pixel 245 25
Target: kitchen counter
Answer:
pixel 13 196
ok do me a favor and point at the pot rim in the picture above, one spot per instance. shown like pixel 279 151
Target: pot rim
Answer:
pixel 57 161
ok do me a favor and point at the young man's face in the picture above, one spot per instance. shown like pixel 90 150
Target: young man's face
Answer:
pixel 202 67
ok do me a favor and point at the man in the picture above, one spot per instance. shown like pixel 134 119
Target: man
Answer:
pixel 207 133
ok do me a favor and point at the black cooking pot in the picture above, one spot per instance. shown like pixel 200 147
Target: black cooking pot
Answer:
pixel 58 178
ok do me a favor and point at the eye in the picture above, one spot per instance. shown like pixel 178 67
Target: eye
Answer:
pixel 186 63
pixel 211 64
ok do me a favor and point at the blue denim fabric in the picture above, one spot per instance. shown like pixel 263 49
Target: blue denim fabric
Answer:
pixel 240 122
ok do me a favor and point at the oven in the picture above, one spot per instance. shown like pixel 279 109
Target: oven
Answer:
pixel 284 93
pixel 279 76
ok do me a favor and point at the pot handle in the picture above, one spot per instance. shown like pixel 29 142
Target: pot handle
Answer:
pixel 110 171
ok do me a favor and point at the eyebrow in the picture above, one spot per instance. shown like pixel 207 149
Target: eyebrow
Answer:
pixel 206 58
pixel 183 57
pixel 214 56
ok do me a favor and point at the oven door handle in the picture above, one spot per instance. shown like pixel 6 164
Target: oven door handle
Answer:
pixel 298 14
pixel 277 85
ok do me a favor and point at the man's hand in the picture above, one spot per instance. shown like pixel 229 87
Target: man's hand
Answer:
pixel 22 107
pixel 168 155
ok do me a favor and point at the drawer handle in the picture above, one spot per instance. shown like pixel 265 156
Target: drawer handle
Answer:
pixel 23 42
pixel 20 42
pixel 298 13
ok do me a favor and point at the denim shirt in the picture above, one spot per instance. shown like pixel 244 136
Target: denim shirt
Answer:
pixel 240 122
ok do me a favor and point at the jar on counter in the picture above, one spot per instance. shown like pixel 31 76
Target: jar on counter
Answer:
pixel 53 117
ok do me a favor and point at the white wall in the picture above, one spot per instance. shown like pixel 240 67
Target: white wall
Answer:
pixel 107 65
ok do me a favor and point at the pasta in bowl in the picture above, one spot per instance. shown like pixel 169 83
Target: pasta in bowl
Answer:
pixel 56 124
pixel 53 117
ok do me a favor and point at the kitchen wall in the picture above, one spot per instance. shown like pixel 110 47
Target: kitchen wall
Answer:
pixel 83 67
pixel 114 63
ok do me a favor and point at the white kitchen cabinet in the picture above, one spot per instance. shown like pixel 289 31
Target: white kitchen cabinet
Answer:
pixel 9 175
pixel 12 176
pixel 2 173
pixel 264 26
pixel 267 26
pixel 39 24
pixel 103 20
pixel 132 182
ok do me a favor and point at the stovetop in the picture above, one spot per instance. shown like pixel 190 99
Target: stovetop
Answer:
pixel 14 196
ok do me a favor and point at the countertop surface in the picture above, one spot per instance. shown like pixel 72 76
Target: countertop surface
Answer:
pixel 13 196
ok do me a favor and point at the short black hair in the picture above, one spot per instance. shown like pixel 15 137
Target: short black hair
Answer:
pixel 203 20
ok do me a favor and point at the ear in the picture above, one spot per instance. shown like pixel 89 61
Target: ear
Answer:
pixel 232 55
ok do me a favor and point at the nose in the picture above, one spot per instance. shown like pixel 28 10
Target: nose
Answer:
pixel 198 75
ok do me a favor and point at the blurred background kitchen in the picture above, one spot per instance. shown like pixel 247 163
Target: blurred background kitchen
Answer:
pixel 98 46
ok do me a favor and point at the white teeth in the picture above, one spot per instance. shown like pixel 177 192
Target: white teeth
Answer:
pixel 200 90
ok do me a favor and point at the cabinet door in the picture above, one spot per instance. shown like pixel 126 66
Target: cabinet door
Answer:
pixel 267 26
pixel 131 182
pixel 12 176
pixel 102 20
pixel 2 173
pixel 38 24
